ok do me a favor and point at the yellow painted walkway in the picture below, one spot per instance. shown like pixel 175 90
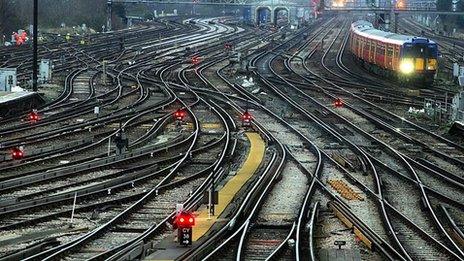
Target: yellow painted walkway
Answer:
pixel 227 193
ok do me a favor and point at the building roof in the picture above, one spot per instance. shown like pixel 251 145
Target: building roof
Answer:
pixel 6 97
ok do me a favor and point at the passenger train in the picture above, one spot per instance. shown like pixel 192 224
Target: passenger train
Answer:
pixel 408 58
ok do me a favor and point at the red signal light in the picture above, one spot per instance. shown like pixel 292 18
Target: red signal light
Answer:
pixel 338 103
pixel 246 116
pixel 195 60
pixel 185 219
pixel 20 38
pixel 17 154
pixel 33 116
pixel 179 115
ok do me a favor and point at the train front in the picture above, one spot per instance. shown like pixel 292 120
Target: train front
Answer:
pixel 419 60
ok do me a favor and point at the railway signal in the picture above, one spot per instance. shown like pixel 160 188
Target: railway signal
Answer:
pixel 185 219
pixel 122 142
pixel 246 118
pixel 20 38
pixel 228 46
pixel 179 115
pixel 195 60
pixel 33 116
pixel 184 222
pixel 338 103
pixel 17 153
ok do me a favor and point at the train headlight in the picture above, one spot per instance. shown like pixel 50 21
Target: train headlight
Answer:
pixel 406 66
pixel 432 64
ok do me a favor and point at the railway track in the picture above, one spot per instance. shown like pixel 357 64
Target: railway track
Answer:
pixel 384 156
pixel 260 113
pixel 327 172
pixel 97 183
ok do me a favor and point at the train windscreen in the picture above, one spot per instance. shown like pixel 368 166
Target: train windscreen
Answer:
pixel 411 50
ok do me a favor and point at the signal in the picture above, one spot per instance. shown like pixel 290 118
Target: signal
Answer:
pixel 228 46
pixel 179 115
pixel 33 116
pixel 338 103
pixel 17 153
pixel 195 60
pixel 184 221
pixel 246 118
pixel 20 37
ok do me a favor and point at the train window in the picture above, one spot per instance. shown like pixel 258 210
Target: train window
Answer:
pixel 380 49
pixel 390 51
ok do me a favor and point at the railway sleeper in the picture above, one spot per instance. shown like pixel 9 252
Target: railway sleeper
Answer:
pixel 363 232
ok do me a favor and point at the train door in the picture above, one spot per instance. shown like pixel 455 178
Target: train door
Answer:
pixel 358 53
pixel 362 48
pixel 371 50
pixel 384 54
pixel 380 54
pixel 389 57
pixel 396 57
pixel 366 49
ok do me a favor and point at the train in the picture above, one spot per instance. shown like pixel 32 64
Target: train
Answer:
pixel 407 58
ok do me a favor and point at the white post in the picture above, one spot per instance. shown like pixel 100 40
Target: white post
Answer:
pixel 109 145
pixel 96 111
pixel 74 207
pixel 210 197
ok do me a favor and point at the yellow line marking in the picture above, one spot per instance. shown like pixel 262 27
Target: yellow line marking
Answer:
pixel 206 125
pixel 227 193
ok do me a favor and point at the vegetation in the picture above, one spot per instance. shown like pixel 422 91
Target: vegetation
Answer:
pixel 7 18
pixel 17 14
